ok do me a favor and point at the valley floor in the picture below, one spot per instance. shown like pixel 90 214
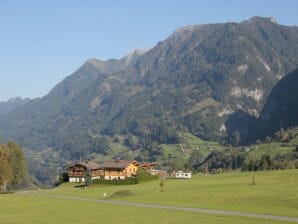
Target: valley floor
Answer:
pixel 275 193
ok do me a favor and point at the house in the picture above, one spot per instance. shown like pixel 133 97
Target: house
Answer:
pixel 77 170
pixel 182 175
pixel 119 169
pixel 150 167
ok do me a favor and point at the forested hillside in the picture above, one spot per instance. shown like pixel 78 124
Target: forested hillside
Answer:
pixel 279 112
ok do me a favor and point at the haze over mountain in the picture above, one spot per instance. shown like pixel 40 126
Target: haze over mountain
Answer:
pixel 11 104
pixel 192 81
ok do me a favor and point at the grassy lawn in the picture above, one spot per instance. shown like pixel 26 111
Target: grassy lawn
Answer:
pixel 272 149
pixel 16 209
pixel 275 192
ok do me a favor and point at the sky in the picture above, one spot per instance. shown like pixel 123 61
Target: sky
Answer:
pixel 42 42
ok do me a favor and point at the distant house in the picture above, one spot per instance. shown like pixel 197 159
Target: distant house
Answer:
pixel 182 175
pixel 119 169
pixel 77 170
pixel 150 167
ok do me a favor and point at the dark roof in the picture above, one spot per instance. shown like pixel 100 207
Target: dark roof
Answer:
pixel 118 163
pixel 92 165
pixel 148 164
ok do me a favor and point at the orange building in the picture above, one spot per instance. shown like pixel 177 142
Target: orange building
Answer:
pixel 119 169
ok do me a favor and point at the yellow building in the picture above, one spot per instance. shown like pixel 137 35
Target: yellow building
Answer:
pixel 119 169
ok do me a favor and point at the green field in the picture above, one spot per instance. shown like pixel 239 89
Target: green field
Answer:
pixel 275 193
pixel 273 149
pixel 19 209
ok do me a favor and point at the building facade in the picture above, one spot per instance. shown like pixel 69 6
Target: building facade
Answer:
pixel 119 169
pixel 77 170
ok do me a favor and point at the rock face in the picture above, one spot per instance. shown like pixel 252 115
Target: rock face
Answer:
pixel 194 80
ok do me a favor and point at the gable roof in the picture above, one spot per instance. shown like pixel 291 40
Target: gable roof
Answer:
pixel 118 164
pixel 92 165
pixel 148 164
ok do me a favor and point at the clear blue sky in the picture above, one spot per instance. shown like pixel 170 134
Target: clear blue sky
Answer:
pixel 41 42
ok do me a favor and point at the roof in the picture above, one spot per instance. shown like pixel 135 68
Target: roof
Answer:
pixel 118 163
pixel 92 165
pixel 147 164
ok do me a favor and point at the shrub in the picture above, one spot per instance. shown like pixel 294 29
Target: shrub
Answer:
pixel 144 176
pixel 119 194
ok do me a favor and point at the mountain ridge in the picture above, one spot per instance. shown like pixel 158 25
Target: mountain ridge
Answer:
pixel 190 81
pixel 11 104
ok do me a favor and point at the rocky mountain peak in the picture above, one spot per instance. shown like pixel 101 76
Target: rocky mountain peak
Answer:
pixel 258 19
pixel 132 55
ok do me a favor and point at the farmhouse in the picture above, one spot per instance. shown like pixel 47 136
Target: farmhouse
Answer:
pixel 150 167
pixel 119 169
pixel 77 170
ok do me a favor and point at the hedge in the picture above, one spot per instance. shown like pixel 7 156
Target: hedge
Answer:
pixel 127 181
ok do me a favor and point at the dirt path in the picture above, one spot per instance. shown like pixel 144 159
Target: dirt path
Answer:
pixel 167 207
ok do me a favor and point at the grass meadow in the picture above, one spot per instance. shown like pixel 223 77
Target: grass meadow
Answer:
pixel 275 193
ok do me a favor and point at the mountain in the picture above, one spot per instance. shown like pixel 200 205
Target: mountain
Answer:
pixel 281 108
pixel 192 81
pixel 279 112
pixel 12 104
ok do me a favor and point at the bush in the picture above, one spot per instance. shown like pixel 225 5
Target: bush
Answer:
pixel 119 194
pixel 144 176
pixel 62 179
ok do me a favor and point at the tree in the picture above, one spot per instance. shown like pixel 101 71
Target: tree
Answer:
pixel 17 161
pixel 267 139
pixel 88 178
pixel 12 165
pixel 101 145
pixel 6 174
pixel 173 166
pixel 195 160
pixel 161 184
pixel 131 141
pixel 235 138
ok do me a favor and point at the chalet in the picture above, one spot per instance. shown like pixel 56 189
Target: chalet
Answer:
pixel 77 170
pixel 150 167
pixel 119 169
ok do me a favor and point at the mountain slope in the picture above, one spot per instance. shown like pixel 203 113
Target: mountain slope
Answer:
pixel 281 108
pixel 12 104
pixel 279 112
pixel 191 81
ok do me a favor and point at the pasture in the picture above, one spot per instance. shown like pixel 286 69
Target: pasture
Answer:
pixel 275 193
